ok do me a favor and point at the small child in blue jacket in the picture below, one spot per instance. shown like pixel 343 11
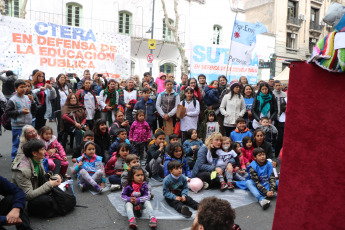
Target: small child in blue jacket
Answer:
pixel 175 152
pixel 211 93
pixel 175 190
pixel 191 146
pixel 240 131
pixel 121 137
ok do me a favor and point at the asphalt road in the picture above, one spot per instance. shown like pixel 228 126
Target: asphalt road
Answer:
pixel 101 214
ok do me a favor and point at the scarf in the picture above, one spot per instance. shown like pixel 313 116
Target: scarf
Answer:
pixel 111 96
pixel 136 189
pixel 264 100
pixel 36 166
pixel 41 93
pixel 77 110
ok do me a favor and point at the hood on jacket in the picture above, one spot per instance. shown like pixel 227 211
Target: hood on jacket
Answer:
pixel 47 143
pixel 149 101
pixel 238 131
pixel 208 88
pixel 161 74
pixel 207 112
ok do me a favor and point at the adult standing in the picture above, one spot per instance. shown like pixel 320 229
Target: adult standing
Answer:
pixel 8 83
pixel 45 93
pixel 87 76
pixel 131 96
pixel 119 123
pixel 109 101
pixel 202 83
pixel 29 175
pixel 184 80
pixel 205 163
pixel 232 107
pixel 248 95
pixel 149 79
pixel 192 82
pixel 96 77
pixel 137 82
pixel 176 86
pixel 271 84
pixel 264 105
pixel 62 90
pixel 243 81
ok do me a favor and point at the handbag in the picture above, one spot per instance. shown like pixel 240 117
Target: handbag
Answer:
pixel 181 111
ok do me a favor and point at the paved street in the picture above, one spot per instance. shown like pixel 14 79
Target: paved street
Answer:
pixel 100 213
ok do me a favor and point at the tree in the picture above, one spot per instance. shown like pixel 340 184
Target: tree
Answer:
pixel 174 29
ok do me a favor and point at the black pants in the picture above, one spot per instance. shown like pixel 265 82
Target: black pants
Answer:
pixel 42 206
pixel 58 123
pixel 184 136
pixel 177 205
pixel 6 206
pixel 40 121
pixel 90 124
pixel 57 166
pixel 206 177
pixel 228 130
pixel 139 149
pixel 280 138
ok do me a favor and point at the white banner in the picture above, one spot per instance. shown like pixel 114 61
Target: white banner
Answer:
pixel 27 45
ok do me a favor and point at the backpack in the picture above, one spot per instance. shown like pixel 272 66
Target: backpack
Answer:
pixel 5 121
pixel 65 200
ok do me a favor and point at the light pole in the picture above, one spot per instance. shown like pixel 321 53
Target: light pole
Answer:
pixel 152 26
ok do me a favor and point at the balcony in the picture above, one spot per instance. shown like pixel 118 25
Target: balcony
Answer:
pixel 143 32
pixel 315 29
pixel 293 23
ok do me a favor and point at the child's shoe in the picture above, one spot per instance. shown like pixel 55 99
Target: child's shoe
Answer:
pixel 115 187
pixel 133 223
pixel 98 189
pixel 223 186
pixel 157 178
pixel 206 185
pixel 153 222
pixel 230 186
pixel 82 187
pixel 186 212
pixel 265 204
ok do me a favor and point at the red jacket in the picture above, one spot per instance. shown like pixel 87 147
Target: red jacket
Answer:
pixel 247 154
pixel 110 166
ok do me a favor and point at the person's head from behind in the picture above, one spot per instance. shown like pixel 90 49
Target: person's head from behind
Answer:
pixel 175 150
pixel 247 142
pixel 277 85
pixel 226 143
pixel 264 121
pixel 119 116
pixel 173 138
pixel 121 134
pixel 20 87
pixel 214 213
pixel 259 156
pixel 46 133
pixel 89 136
pixel 211 115
pixel 34 149
pixel 236 147
pixel 140 115
pixel 100 127
pixel 89 148
pixel 159 137
pixel 202 79
pixel 192 134
pixel 122 150
pixel 241 124
pixel 175 168
pixel 146 93
pixel 136 175
pixel 132 160
pixel 214 84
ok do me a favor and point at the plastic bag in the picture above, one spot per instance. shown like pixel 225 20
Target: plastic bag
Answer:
pixel 177 129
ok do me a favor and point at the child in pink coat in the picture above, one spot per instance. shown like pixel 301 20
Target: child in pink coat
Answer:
pixel 247 150
pixel 140 133
pixel 160 81
pixel 55 153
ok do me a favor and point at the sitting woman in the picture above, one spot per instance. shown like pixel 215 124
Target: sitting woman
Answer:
pixel 102 138
pixel 119 123
pixel 29 175
pixel 74 118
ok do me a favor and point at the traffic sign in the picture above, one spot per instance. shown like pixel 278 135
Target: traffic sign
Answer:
pixel 152 44
pixel 149 65
pixel 150 58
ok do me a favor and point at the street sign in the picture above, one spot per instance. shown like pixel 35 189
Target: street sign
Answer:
pixel 152 44
pixel 150 58
pixel 149 65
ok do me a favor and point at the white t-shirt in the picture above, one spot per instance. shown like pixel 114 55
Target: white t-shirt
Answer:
pixel 89 103
pixel 63 95
pixel 211 127
pixel 224 157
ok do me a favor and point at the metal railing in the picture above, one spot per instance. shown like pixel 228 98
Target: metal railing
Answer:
pixel 294 21
pixel 316 26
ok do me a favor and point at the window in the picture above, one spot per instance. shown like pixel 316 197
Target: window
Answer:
pixel 312 43
pixel 12 8
pixel 292 9
pixel 167 33
pixel 285 65
pixel 132 68
pixel 125 20
pixel 291 40
pixel 167 68
pixel 216 34
pixel 314 17
pixel 74 12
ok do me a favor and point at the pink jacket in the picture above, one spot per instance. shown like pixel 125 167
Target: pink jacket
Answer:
pixel 140 132
pixel 248 154
pixel 160 83
pixel 54 144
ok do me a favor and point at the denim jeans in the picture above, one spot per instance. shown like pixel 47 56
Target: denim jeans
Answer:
pixel 15 142
pixel 147 206
pixel 254 190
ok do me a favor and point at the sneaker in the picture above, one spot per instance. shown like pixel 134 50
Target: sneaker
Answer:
pixel 83 187
pixel 153 222
pixel 230 186
pixel 157 178
pixel 206 185
pixel 98 189
pixel 223 186
pixel 115 187
pixel 265 204
pixel 132 223
pixel 185 211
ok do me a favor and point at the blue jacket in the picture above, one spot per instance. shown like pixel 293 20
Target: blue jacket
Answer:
pixel 188 144
pixel 202 165
pixel 173 188
pixel 7 189
pixel 185 168
pixel 150 110
pixel 211 96
pixel 113 146
pixel 90 164
pixel 176 87
pixel 264 172
pixel 238 136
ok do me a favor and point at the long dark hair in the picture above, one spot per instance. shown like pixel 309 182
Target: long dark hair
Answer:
pixel 60 87
pixel 196 85
pixel 173 147
pixel 131 173
pixel 98 123
pixel 262 84
pixel 244 89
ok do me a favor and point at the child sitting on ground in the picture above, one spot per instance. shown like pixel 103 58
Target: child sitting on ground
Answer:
pixel 211 96
pixel 209 125
pixel 132 160
pixel 114 167
pixel 175 190
pixel 192 146
pixel 121 137
pixel 269 130
pixel 136 195
pixel 175 152
pixel 240 131
pixel 88 136
pixel 54 152
pixel 155 157
pixel 247 150
pixel 140 133
pixel 154 140
pixel 262 181
pixel 90 169
pixel 173 138
pixel 240 173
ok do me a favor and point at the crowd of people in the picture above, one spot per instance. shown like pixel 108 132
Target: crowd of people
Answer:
pixel 189 136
